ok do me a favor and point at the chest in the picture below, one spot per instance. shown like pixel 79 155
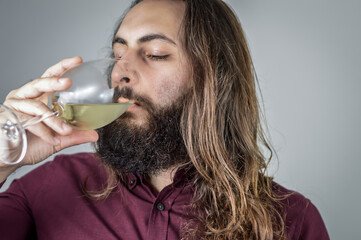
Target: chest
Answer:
pixel 134 213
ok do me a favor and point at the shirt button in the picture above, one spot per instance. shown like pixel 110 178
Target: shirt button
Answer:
pixel 160 206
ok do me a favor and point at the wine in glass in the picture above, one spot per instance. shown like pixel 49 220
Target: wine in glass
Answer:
pixel 87 104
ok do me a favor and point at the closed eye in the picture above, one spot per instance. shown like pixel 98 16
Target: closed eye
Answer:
pixel 157 57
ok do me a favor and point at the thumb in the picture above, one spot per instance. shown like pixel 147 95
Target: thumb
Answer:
pixel 77 137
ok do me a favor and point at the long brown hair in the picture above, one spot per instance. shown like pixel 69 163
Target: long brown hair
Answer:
pixel 222 130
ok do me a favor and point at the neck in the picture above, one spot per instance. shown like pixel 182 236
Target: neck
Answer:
pixel 162 179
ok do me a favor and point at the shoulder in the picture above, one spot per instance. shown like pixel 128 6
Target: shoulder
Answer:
pixel 64 171
pixel 77 163
pixel 290 199
pixel 302 219
pixel 72 165
pixel 61 177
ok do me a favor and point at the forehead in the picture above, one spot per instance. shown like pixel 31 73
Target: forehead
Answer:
pixel 153 16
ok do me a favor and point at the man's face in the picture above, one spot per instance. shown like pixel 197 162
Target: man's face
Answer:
pixel 153 62
pixel 153 71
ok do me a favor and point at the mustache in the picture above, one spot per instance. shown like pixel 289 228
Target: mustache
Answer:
pixel 127 92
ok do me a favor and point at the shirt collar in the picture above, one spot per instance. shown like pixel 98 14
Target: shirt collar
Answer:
pixel 181 178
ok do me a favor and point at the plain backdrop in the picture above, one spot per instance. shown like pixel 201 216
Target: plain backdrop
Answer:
pixel 307 56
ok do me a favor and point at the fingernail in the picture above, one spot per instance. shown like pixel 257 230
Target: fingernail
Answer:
pixel 66 127
pixel 56 140
pixel 62 80
pixel 71 61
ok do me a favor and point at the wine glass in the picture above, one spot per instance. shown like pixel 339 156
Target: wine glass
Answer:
pixel 87 104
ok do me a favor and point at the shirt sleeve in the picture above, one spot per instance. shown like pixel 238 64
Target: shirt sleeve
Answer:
pixel 312 226
pixel 15 216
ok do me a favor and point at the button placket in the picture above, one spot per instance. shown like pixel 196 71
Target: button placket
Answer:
pixel 158 223
pixel 132 182
pixel 160 206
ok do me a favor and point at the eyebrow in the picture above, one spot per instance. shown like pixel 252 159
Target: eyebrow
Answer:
pixel 144 39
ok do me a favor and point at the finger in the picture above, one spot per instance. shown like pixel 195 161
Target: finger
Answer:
pixel 30 108
pixel 39 86
pixel 43 132
pixel 59 68
pixel 77 137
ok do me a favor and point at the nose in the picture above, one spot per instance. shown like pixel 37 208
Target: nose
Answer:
pixel 123 73
pixel 125 79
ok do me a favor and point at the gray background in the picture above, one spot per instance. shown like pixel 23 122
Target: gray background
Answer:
pixel 307 56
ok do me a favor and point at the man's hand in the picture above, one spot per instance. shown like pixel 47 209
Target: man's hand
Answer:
pixel 51 135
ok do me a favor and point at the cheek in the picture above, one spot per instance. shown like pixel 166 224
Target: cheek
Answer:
pixel 171 87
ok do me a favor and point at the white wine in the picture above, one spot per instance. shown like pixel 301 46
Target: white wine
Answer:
pixel 90 116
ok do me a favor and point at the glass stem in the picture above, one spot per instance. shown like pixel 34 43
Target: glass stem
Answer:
pixel 37 119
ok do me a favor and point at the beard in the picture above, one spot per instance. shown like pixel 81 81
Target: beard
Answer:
pixel 148 149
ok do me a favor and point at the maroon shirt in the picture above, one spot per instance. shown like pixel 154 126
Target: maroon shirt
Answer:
pixel 48 203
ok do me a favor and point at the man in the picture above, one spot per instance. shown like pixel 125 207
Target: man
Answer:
pixel 183 162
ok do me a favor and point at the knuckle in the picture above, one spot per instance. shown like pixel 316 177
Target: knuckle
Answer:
pixel 8 103
pixel 47 73
pixel 38 105
pixel 36 81
pixel 41 82
pixel 11 94
pixel 50 71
